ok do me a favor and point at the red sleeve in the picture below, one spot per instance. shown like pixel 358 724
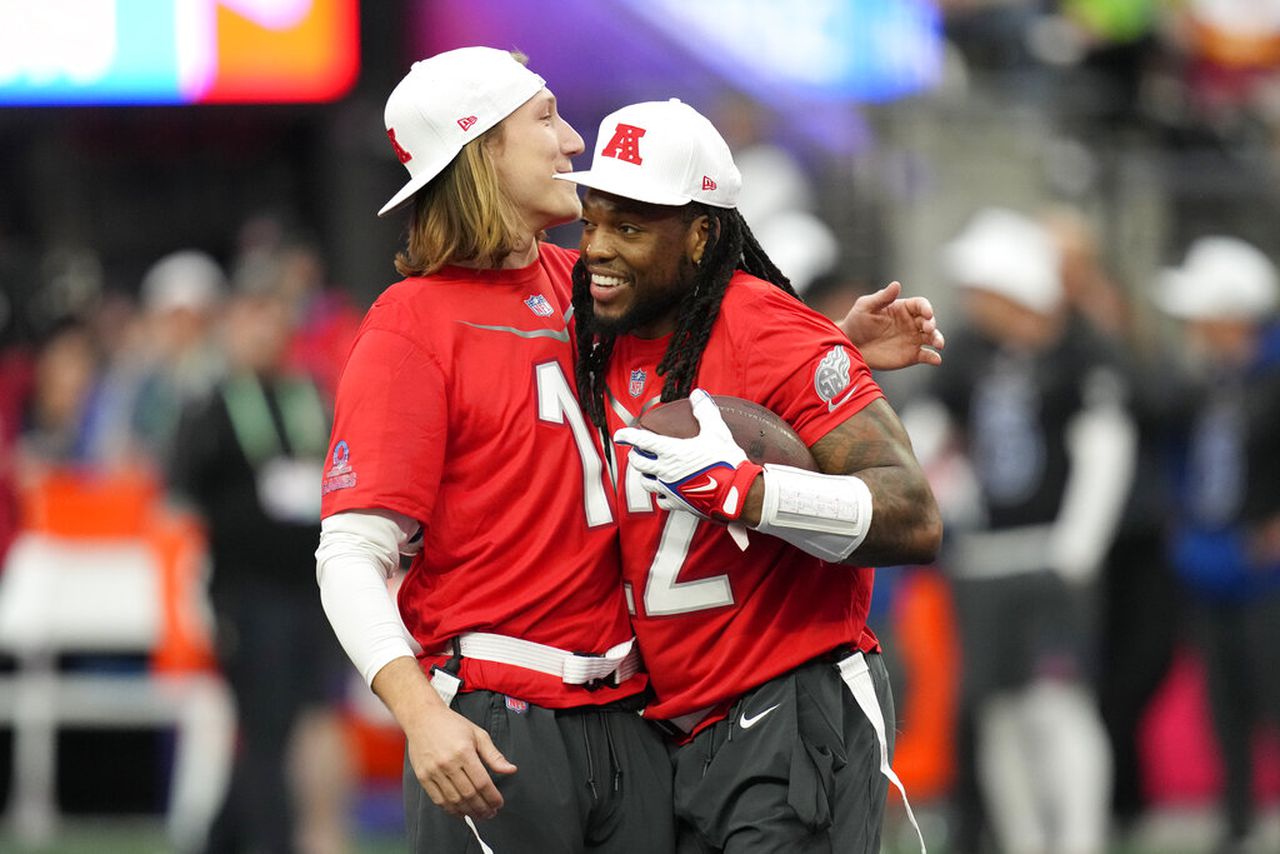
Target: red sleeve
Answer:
pixel 390 429
pixel 805 369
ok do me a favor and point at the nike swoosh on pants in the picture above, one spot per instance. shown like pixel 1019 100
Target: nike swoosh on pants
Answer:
pixel 747 721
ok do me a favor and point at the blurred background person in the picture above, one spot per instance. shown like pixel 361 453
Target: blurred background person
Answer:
pixel 153 355
pixel 55 371
pixel 16 376
pixel 1139 622
pixel 57 422
pixel 1039 416
pixel 1226 535
pixel 249 455
pixel 275 256
pixel 177 359
pixel 778 195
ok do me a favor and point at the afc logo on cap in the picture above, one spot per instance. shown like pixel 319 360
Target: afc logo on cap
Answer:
pixel 625 144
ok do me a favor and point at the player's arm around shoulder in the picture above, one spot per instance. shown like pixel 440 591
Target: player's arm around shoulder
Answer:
pixel 892 331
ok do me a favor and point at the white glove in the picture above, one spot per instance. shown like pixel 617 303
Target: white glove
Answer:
pixel 708 475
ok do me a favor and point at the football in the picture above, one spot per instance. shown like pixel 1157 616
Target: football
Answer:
pixel 760 433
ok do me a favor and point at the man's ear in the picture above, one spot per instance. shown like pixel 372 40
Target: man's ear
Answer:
pixel 698 236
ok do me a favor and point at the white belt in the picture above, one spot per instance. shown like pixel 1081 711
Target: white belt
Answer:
pixel 621 661
pixel 857 676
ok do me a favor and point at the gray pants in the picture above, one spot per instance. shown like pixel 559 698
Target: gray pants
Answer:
pixel 591 780
pixel 794 767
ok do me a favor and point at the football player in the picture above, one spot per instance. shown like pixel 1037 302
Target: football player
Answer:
pixel 459 440
pixel 761 660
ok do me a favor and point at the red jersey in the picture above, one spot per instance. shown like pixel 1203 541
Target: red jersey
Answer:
pixel 457 409
pixel 713 621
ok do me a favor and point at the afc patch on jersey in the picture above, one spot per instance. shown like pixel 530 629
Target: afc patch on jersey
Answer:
pixel 340 474
pixel 635 384
pixel 538 304
pixel 832 377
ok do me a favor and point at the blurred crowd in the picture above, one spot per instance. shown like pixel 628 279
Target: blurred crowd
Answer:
pixel 215 383
pixel 1107 509
pixel 1207 67
pixel 1101 433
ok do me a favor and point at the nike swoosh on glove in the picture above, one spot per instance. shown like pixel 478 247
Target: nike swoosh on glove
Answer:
pixel 708 475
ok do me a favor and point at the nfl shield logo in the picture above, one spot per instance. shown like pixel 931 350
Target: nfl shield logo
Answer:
pixel 538 305
pixel 636 385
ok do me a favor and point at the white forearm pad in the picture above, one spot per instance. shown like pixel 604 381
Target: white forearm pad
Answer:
pixel 825 515
pixel 357 552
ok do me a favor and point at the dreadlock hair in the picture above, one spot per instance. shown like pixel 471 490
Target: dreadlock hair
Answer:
pixel 730 246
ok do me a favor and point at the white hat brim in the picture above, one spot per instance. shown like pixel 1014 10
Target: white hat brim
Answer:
pixel 405 193
pixel 614 185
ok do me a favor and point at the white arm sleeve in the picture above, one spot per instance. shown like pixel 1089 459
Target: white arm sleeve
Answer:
pixel 1102 443
pixel 359 551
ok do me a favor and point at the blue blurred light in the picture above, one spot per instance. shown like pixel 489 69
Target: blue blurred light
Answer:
pixel 862 50
pixel 100 53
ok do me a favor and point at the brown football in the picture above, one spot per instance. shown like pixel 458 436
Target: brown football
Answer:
pixel 760 433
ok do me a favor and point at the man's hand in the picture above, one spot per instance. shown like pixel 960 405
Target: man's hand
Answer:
pixel 709 474
pixel 893 333
pixel 449 755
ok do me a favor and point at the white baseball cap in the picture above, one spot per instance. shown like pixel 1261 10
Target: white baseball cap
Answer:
pixel 1006 253
pixel 1222 278
pixel 662 153
pixel 446 101
pixel 188 279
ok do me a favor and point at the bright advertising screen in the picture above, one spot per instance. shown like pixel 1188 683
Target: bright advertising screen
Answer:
pixel 66 52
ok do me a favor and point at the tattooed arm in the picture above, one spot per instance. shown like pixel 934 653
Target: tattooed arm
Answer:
pixel 905 524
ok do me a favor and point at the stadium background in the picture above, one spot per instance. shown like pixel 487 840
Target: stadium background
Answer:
pixel 878 127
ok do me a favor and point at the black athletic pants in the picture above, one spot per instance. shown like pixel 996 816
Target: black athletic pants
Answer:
pixel 795 767
pixel 591 779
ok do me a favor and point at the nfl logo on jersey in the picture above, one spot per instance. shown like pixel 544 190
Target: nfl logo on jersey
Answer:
pixel 636 385
pixel 538 305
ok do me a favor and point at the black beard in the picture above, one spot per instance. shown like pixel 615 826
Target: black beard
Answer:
pixel 639 315
pixel 646 312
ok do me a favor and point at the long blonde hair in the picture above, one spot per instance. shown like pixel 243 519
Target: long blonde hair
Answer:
pixel 464 214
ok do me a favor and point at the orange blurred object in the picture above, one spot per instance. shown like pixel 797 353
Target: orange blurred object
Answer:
pixel 79 504
pixel 1235 48
pixel 83 505
pixel 925 639
pixel 315 58
pixel 378 747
